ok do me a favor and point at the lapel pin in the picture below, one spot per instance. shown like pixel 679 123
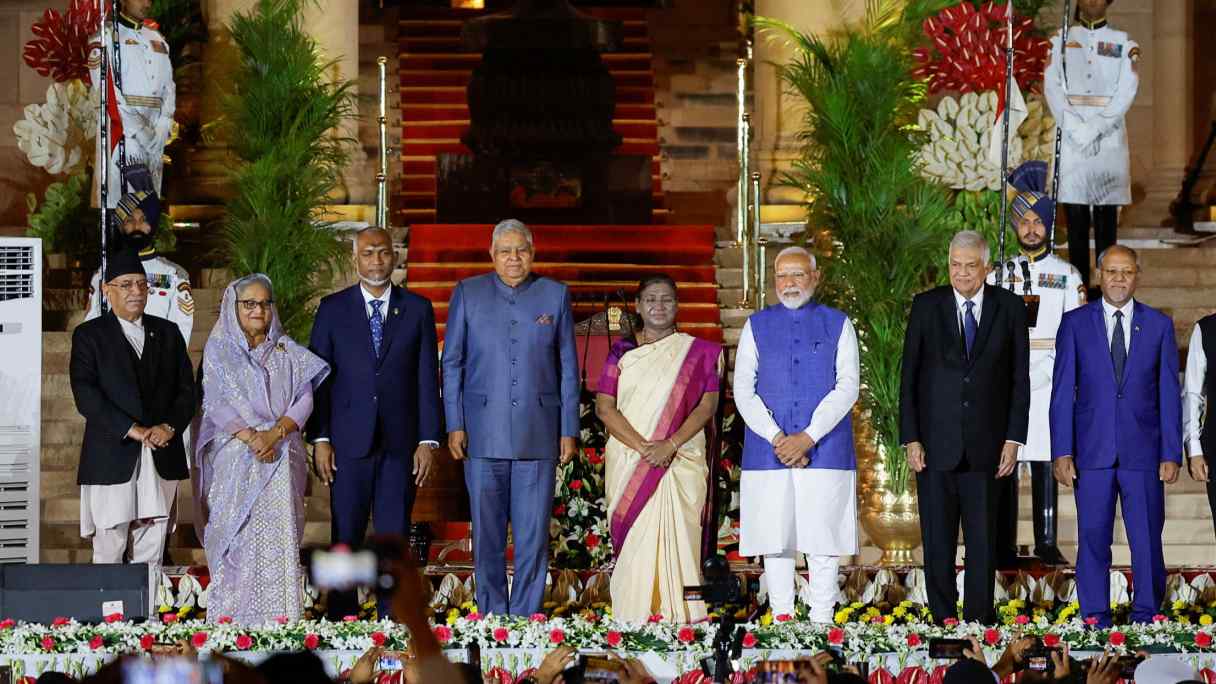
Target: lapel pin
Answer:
pixel 394 311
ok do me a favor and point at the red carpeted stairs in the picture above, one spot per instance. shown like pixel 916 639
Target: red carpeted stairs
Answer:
pixel 593 260
pixel 434 73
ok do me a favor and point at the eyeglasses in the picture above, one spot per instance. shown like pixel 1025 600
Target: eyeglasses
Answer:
pixel 251 304
pixel 1124 273
pixel 131 285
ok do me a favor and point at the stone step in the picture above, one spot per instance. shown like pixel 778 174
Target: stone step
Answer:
pixel 1177 531
pixel 1176 555
pixel 1183 297
pixel 64 509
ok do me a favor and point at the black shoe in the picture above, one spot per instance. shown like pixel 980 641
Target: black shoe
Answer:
pixel 1050 555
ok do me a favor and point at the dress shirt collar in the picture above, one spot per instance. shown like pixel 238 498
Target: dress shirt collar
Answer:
pixel 368 298
pixel 1094 25
pixel 960 301
pixel 1109 309
pixel 137 324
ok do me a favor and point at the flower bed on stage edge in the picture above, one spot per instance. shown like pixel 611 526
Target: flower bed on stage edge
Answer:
pixel 859 641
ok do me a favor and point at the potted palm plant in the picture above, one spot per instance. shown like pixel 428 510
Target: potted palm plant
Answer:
pixel 881 228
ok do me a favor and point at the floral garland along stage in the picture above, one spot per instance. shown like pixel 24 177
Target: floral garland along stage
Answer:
pixel 513 645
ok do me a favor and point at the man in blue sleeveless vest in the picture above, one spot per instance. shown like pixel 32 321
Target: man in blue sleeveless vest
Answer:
pixel 796 380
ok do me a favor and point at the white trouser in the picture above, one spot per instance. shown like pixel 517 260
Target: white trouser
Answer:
pixel 779 572
pixel 146 543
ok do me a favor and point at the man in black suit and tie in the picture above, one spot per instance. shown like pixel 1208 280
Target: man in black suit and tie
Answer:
pixel 134 384
pixel 964 405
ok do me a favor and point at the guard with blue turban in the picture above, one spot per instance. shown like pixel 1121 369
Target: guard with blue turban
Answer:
pixel 1060 288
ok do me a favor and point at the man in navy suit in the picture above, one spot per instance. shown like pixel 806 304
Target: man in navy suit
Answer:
pixel 376 419
pixel 510 394
pixel 1116 432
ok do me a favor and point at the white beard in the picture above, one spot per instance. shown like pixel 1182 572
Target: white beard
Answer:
pixel 374 283
pixel 791 302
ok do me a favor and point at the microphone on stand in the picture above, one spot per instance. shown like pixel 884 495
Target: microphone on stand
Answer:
pixel 1026 276
pixel 1012 272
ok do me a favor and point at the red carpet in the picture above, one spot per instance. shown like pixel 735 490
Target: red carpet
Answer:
pixel 434 71
pixel 595 261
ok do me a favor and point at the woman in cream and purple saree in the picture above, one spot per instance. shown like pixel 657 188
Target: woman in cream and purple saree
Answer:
pixel 251 460
pixel 656 395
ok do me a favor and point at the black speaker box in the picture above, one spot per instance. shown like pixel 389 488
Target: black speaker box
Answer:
pixel 40 593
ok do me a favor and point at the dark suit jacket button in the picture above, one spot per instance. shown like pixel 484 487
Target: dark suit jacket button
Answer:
pixel 514 402
pixel 966 404
pixel 967 379
pixel 1119 395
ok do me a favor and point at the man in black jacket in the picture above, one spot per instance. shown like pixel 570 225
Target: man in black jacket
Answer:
pixel 964 405
pixel 134 384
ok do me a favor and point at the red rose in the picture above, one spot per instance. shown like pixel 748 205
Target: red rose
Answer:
pixel 147 641
pixel 198 639
pixel 225 620
pixel 877 620
pixel 559 510
pixel 350 618
pixel 1117 638
pixel 1051 640
pixel 538 617
pixel 378 639
pixel 473 617
pixel 97 642
pixel 913 640
pixel 59 622
pixel 593 541
pixel 48 643
pixel 443 633
pixel 282 619
pixel 501 634
pixel 725 464
pixel 1022 619
pixel 613 639
pixel 311 641
pixel 7 623
pixel 784 617
pixel 950 622
pixel 112 618
pixel 169 618
pixel 654 618
pixel 244 642
pixel 686 635
pixel 1203 639
pixel 1160 618
pixel 992 637
pixel 576 485
pixel 556 636
pixel 836 636
pixel 749 640
pixel 1091 621
pixel 594 458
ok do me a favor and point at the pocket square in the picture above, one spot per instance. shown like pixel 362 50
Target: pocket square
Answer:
pixel 544 319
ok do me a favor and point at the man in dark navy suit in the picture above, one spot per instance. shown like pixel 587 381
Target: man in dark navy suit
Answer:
pixel 1116 432
pixel 376 421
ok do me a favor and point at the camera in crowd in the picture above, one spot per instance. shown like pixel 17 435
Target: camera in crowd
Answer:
pixel 342 568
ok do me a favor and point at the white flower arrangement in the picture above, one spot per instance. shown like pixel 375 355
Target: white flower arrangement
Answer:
pixel 55 135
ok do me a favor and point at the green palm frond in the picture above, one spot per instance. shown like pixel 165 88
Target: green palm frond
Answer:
pixel 281 117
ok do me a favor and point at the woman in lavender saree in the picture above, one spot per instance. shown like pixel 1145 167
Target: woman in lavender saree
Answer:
pixel 656 396
pixel 251 461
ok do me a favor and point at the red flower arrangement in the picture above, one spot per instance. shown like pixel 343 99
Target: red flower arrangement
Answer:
pixel 60 47
pixel 966 51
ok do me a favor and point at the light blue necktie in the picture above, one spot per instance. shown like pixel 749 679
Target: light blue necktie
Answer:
pixel 969 326
pixel 377 326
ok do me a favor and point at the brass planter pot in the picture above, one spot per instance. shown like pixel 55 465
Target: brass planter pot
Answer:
pixel 891 521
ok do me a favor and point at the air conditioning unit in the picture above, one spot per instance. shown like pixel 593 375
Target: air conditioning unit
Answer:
pixel 20 397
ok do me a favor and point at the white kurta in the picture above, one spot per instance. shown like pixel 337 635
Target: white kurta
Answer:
pixel 1058 285
pixel 809 510
pixel 1194 394
pixel 1089 96
pixel 146 496
pixel 147 101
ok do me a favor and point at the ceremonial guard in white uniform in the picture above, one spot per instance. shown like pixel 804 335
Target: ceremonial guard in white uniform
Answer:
pixel 1089 86
pixel 169 295
pixel 145 94
pixel 1058 285
pixel 797 375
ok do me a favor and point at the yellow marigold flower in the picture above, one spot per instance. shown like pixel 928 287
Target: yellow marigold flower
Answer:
pixel 842 616
pixel 452 619
pixel 1178 605
pixel 767 619
pixel 899 611
pixel 1205 619
pixel 1185 619
pixel 887 619
pixel 856 604
pixel 1017 603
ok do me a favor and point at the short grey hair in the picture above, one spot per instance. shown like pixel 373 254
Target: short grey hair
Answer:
pixel 1120 248
pixel 243 284
pixel 369 230
pixel 970 239
pixel 796 250
pixel 510 226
